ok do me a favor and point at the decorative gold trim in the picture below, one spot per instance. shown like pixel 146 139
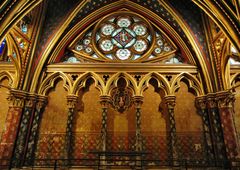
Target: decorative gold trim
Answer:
pixel 129 67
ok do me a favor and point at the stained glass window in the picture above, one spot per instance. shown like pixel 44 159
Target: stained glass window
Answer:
pixel 2 46
pixel 234 62
pixel 123 37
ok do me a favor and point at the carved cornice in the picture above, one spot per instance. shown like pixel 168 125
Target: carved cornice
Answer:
pixel 116 67
pixel 225 99
pixel 72 101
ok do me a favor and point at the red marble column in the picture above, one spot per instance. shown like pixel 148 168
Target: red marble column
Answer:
pixel 16 103
pixel 226 111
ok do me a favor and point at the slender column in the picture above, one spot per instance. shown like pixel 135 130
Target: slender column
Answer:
pixel 104 100
pixel 71 102
pixel 225 105
pixel 138 100
pixel 171 129
pixel 21 141
pixel 16 103
pixel 34 130
pixel 201 105
pixel 216 129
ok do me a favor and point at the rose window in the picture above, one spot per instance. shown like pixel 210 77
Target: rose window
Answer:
pixel 123 36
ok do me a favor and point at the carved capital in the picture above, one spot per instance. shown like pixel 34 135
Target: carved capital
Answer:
pixel 105 101
pixel 225 99
pixel 170 101
pixel 138 100
pixel 72 101
pixel 17 98
pixel 211 101
pixel 201 102
pixel 41 102
pixel 31 100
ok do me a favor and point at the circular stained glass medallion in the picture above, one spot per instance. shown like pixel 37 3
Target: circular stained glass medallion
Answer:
pixel 88 50
pixel 140 46
pixel 157 50
pixel 107 29
pixel 123 54
pixel 106 45
pixel 160 42
pixel 123 22
pixel 140 29
pixel 86 41
pixel 79 47
pixel 167 48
